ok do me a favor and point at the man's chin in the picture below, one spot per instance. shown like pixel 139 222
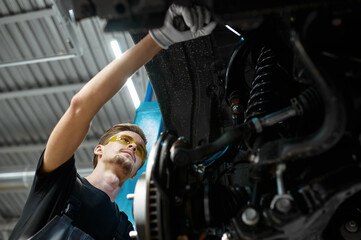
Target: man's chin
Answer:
pixel 126 164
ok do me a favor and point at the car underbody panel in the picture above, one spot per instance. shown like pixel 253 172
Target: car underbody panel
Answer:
pixel 262 124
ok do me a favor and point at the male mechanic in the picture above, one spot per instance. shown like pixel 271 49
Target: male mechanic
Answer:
pixel 121 150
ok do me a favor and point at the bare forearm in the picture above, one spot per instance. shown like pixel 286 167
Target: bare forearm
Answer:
pixel 103 86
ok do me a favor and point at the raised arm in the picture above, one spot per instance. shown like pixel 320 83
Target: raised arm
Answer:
pixel 72 128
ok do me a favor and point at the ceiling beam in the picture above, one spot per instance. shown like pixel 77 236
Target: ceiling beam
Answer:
pixel 27 16
pixel 22 177
pixel 41 91
pixel 64 22
pixel 39 147
pixel 37 60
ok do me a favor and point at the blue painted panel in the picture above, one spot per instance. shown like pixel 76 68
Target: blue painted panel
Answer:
pixel 148 118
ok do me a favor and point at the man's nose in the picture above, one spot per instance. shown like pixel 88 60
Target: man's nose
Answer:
pixel 132 146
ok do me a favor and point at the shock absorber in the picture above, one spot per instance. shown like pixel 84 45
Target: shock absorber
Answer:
pixel 266 84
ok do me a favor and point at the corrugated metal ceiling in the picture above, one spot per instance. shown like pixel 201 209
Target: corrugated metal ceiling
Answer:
pixel 42 64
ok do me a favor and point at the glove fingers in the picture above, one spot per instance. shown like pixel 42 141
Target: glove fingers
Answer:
pixel 189 17
pixel 194 25
pixel 195 18
pixel 200 18
pixel 206 30
pixel 207 16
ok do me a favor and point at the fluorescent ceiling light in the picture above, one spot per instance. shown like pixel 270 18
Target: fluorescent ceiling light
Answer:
pixel 234 31
pixel 72 15
pixel 130 85
pixel 133 92
pixel 116 49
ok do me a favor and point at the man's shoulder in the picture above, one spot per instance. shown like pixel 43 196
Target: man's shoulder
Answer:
pixel 66 166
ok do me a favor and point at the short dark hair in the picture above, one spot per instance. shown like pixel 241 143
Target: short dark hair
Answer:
pixel 116 129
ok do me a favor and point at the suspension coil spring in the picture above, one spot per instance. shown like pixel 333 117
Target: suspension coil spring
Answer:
pixel 262 100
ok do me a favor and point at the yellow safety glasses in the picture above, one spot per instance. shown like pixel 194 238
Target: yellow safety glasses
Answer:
pixel 126 140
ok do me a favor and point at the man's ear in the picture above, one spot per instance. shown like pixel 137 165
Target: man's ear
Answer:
pixel 98 150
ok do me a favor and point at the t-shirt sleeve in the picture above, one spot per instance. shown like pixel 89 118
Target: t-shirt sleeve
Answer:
pixel 47 198
pixel 60 177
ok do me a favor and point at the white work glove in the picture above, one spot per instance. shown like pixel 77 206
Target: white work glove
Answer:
pixel 194 17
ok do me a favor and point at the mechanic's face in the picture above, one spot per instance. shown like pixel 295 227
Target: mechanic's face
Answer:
pixel 125 151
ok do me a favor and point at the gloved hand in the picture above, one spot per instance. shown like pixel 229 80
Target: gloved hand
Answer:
pixel 194 18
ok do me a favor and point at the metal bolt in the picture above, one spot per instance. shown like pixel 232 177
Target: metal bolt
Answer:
pixel 283 205
pixel 133 234
pixel 235 108
pixel 351 226
pixel 130 196
pixel 226 236
pixel 254 159
pixel 200 169
pixel 250 216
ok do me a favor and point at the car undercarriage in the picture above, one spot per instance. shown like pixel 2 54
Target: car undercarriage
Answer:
pixel 262 121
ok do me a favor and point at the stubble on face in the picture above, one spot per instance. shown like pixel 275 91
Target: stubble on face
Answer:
pixel 125 164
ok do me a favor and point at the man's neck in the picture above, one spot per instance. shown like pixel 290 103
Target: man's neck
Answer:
pixel 106 181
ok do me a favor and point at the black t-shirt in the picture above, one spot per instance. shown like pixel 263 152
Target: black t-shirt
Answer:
pixel 97 215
